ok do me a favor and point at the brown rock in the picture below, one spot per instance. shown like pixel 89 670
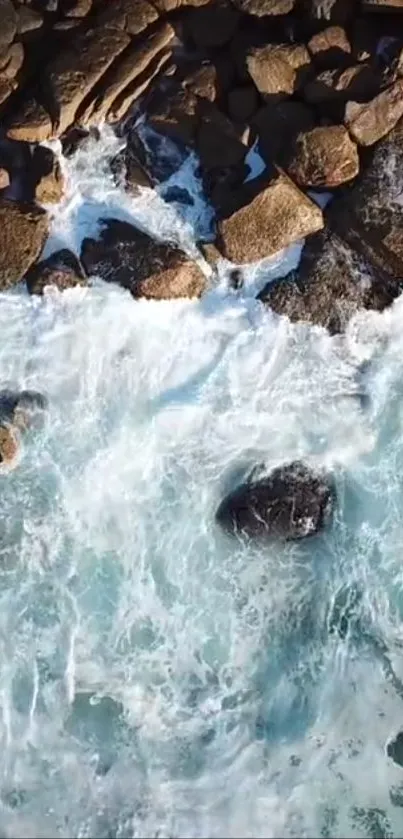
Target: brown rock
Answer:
pixel 260 8
pixel 176 115
pixel 78 8
pixel 212 25
pixel 278 127
pixel 211 253
pixel 23 230
pixel 324 157
pixel 136 88
pixel 30 123
pixel 171 5
pixel 8 24
pixel 243 102
pixel 335 11
pixel 28 19
pixel 48 177
pixel 7 87
pixel 137 262
pixel 203 82
pixel 62 269
pixel 382 5
pixel 266 215
pixel 4 178
pixel 133 64
pixel 134 16
pixel 9 447
pixel 329 286
pixel 278 70
pixel 370 121
pixel 218 142
pixel 15 60
pixel 130 172
pixel 330 48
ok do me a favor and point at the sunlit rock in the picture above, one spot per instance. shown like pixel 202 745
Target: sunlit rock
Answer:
pixel 9 447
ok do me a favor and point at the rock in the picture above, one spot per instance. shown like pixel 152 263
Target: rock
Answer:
pixel 4 179
pixel 78 8
pixel 9 448
pixel 382 5
pixel 203 82
pixel 171 5
pixel 128 68
pixel 243 103
pixel 134 17
pixel 394 749
pixel 260 8
pixel 137 262
pixel 212 25
pixel 30 123
pixel 176 115
pixel 278 70
pixel 336 11
pixel 22 409
pixel 136 88
pixel 48 177
pixel 292 502
pixel 28 20
pixel 130 172
pixel 330 48
pixel 332 89
pixel 62 270
pixel 15 60
pixel 23 230
pixel 217 141
pixel 264 216
pixel 278 127
pixel 331 284
pixel 324 157
pixel 8 28
pixel 210 253
pixel 369 122
pixel 7 87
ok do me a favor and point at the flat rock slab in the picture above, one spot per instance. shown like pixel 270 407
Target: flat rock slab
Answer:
pixel 264 216
pixel 137 262
pixel 23 231
pixel 331 284
pixel 292 502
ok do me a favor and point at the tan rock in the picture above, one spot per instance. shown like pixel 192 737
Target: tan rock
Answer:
pixel 23 231
pixel 79 8
pixel 30 123
pixel 4 178
pixel 370 121
pixel 133 17
pixel 330 47
pixel 133 91
pixel 324 157
pixel 278 69
pixel 9 447
pixel 164 6
pixel 265 7
pixel 28 20
pixel 15 60
pixel 269 214
pixel 50 182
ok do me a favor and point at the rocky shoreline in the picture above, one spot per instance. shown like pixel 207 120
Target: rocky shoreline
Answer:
pixel 316 86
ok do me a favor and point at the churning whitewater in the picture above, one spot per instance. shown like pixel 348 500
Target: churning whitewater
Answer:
pixel 157 677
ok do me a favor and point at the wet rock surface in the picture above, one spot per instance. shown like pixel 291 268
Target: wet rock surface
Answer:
pixel 62 270
pixel 292 502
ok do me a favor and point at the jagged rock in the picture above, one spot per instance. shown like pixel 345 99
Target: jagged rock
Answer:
pixel 4 178
pixel 292 502
pixel 243 103
pixel 8 24
pixel 324 157
pixel 264 216
pixel 136 88
pixel 212 25
pixel 332 89
pixel 14 61
pixel 28 20
pixel 265 7
pixel 9 447
pixel 23 230
pixel 137 262
pixel 369 122
pixel 330 48
pixel 47 176
pixel 382 5
pixel 62 269
pixel 331 283
pixel 278 70
pixel 131 66
pixel 278 127
pixel 336 11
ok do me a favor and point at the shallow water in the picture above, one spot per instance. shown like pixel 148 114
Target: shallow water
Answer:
pixel 158 678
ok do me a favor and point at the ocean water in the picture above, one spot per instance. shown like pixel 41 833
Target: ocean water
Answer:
pixel 156 677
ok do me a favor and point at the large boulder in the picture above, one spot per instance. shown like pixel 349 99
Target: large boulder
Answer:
pixel 323 157
pixel 292 502
pixel 62 270
pixel 370 121
pixel 278 70
pixel 23 231
pixel 278 126
pixel 263 216
pixel 212 25
pixel 331 284
pixel 137 262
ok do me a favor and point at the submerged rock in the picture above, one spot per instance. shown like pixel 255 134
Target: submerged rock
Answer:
pixel 291 503
pixel 22 409
pixel 62 270
pixel 394 749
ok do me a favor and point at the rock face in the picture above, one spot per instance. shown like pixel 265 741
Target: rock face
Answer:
pixel 278 70
pixel 23 230
pixel 137 262
pixel 61 270
pixel 370 121
pixel 293 502
pixel 264 216
pixel 324 157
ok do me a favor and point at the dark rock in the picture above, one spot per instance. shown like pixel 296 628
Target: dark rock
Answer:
pixel 130 172
pixel 263 216
pixel 203 82
pixel 177 195
pixel 330 48
pixel 212 25
pixel 278 127
pixel 47 176
pixel 28 20
pixel 217 141
pixel 323 157
pixel 14 61
pixel 75 137
pixel 369 122
pixel 243 103
pixel 260 8
pixel 23 230
pixel 332 89
pixel 62 269
pixel 8 24
pixel 278 70
pixel 394 749
pixel 292 502
pixel 331 284
pixel 137 262
pixel 22 409
pixel 78 8
pixel 176 115
pixel 171 5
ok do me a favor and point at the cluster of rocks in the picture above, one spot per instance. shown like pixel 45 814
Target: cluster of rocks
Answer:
pixel 315 85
